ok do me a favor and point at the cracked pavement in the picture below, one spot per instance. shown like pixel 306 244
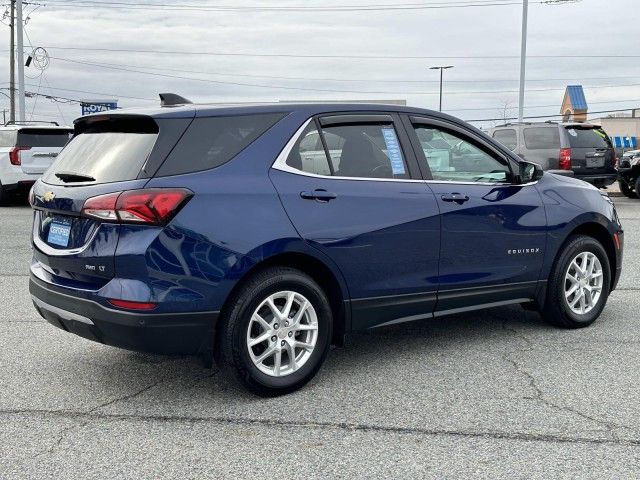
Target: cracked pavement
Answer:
pixel 493 394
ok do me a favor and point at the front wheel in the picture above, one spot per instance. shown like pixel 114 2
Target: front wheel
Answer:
pixel 626 189
pixel 579 284
pixel 277 332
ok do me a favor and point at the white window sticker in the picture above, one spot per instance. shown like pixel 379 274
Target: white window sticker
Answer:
pixel 393 150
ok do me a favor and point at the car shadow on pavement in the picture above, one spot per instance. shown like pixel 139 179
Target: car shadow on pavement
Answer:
pixel 166 378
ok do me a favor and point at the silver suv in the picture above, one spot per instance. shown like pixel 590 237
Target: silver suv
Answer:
pixel 583 149
pixel 26 151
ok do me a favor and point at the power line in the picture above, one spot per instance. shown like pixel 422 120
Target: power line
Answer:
pixel 346 80
pixel 344 56
pixel 312 89
pixel 282 8
pixel 545 116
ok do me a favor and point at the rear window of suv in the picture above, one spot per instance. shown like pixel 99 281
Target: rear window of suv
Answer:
pixel 105 150
pixel 35 137
pixel 588 138
pixel 211 142
pixel 541 138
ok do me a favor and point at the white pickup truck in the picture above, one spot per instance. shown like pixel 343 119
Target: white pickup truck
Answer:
pixel 26 151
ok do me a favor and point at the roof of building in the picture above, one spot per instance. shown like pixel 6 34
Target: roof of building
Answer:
pixel 576 97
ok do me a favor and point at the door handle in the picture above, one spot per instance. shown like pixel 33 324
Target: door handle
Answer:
pixel 319 194
pixel 455 197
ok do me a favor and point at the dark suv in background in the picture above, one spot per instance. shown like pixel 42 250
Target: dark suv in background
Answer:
pixel 581 148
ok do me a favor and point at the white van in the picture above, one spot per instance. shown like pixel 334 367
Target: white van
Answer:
pixel 26 151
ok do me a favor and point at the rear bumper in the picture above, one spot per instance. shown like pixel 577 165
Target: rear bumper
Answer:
pixel 182 333
pixel 599 180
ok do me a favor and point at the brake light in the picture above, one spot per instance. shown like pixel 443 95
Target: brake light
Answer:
pixel 152 206
pixel 14 155
pixel 565 159
pixel 132 305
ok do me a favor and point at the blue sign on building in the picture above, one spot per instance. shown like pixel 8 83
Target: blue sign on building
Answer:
pixel 625 142
pixel 97 106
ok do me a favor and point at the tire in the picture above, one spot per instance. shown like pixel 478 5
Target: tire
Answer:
pixel 3 195
pixel 637 186
pixel 558 310
pixel 239 326
pixel 626 189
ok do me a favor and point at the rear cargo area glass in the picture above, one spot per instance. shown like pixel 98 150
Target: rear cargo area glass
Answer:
pixel 110 151
pixel 588 138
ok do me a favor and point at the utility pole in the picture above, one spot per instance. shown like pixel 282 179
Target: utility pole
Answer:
pixel 442 69
pixel 523 59
pixel 20 46
pixel 12 65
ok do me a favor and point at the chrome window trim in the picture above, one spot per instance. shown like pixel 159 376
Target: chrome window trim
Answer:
pixel 280 163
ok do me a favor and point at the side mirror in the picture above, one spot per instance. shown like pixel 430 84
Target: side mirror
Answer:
pixel 530 172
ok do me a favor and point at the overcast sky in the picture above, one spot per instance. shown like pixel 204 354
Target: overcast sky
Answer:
pixel 475 88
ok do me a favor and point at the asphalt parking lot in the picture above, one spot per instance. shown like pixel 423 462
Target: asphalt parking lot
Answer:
pixel 495 394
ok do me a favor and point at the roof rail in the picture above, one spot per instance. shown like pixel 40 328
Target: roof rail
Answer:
pixel 30 122
pixel 171 99
pixel 511 124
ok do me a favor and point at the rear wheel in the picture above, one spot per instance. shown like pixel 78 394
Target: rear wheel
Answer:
pixel 277 331
pixel 3 195
pixel 637 192
pixel 626 189
pixel 579 284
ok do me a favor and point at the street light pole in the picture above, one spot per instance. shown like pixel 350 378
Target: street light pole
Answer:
pixel 442 69
pixel 20 60
pixel 523 59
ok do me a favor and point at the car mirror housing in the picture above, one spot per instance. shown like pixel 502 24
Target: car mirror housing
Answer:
pixel 530 172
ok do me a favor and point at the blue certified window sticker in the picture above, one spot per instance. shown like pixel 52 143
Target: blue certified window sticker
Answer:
pixel 393 150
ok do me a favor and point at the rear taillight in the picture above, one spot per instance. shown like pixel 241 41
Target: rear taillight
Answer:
pixel 152 206
pixel 565 159
pixel 14 155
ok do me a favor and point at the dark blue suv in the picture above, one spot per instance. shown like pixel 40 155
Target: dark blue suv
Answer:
pixel 261 235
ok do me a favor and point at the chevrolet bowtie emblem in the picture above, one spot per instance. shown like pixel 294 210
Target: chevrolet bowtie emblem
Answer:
pixel 48 196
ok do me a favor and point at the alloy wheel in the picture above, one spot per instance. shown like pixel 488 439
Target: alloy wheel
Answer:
pixel 583 283
pixel 282 333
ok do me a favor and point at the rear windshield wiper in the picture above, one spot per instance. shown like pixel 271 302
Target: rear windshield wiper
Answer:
pixel 69 177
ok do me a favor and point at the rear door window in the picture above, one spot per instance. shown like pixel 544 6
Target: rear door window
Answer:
pixel 112 150
pixel 211 142
pixel 588 138
pixel 507 137
pixel 542 138
pixel 32 137
pixel 352 150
